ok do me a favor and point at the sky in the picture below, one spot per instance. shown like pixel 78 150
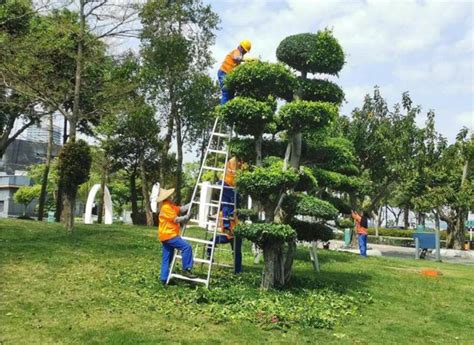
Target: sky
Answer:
pixel 424 47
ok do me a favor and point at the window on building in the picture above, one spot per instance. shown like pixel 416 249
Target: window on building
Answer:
pixel 2 206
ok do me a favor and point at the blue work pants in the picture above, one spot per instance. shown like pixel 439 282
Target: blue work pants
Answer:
pixel 363 244
pixel 168 250
pixel 225 93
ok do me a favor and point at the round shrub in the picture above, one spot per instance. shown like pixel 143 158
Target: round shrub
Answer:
pixel 266 233
pixel 320 90
pixel 266 183
pixel 341 206
pixel 249 116
pixel 338 181
pixel 312 53
pixel 307 205
pixel 299 115
pixel 345 223
pixel 74 164
pixel 306 231
pixel 260 80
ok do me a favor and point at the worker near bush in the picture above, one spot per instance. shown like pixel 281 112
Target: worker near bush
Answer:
pixel 361 228
pixel 169 230
pixel 228 216
pixel 232 60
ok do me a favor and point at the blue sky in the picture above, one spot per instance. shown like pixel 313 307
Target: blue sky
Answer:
pixel 424 47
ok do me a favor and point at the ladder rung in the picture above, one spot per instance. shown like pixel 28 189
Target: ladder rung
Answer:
pixel 217 151
pixel 198 222
pixel 226 203
pixel 201 261
pixel 205 204
pixel 222 135
pixel 216 186
pixel 213 168
pixel 192 239
pixel 214 217
pixel 179 276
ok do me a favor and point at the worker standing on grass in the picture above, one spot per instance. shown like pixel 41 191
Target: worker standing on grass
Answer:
pixel 229 218
pixel 171 215
pixel 233 59
pixel 361 227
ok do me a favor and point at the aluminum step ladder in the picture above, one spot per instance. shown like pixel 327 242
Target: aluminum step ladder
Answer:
pixel 217 147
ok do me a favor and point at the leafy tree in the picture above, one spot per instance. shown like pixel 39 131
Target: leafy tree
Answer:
pixel 74 167
pixel 176 40
pixel 25 195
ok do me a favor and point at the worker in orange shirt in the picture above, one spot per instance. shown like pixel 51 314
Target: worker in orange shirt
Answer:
pixel 229 219
pixel 233 59
pixel 361 228
pixel 169 229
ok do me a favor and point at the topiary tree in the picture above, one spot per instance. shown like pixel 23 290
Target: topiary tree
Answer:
pixel 74 165
pixel 289 193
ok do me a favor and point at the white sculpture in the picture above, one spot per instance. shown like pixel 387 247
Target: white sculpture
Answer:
pixel 154 196
pixel 107 205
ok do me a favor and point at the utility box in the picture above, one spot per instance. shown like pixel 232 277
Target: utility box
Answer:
pixel 51 218
pixel 347 237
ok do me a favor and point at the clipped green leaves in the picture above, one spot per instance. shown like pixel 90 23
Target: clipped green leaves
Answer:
pixel 262 183
pixel 306 231
pixel 313 53
pixel 265 234
pixel 260 80
pixel 306 205
pixel 74 164
pixel 338 181
pixel 300 115
pixel 320 90
pixel 249 116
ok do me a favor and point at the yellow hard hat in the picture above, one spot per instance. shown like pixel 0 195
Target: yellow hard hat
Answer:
pixel 246 44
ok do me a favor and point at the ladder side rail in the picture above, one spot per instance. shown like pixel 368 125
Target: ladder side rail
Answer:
pixel 173 261
pixel 220 216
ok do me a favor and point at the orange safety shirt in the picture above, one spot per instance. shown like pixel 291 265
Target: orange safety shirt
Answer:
pixel 168 229
pixel 360 229
pixel 231 170
pixel 231 60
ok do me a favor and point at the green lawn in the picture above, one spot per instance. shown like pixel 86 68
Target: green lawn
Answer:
pixel 101 285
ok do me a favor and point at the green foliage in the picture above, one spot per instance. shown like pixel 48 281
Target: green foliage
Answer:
pixel 307 205
pixel 318 90
pixel 26 194
pixel 265 233
pixel 266 183
pixel 248 214
pixel 338 203
pixel 312 53
pixel 344 223
pixel 331 153
pixel 244 148
pixel 308 231
pixel 337 181
pixel 74 165
pixel 248 115
pixel 307 181
pixel 300 115
pixel 15 16
pixel 261 80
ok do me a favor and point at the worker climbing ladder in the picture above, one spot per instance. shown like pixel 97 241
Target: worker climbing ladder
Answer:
pixel 217 148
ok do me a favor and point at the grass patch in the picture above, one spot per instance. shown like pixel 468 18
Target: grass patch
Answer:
pixel 101 285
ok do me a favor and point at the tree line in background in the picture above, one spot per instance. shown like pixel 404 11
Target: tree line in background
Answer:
pixel 312 163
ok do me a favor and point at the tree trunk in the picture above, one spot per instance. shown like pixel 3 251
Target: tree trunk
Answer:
pixel 450 233
pixel 258 150
pixel 376 216
pixel 133 197
pixel 270 256
pixel 179 159
pixel 437 222
pixel 68 211
pixel 290 255
pixel 406 214
pixel 44 182
pixel 296 150
pixel 458 236
pixel 103 181
pixel 146 195
pixel 286 161
pixel 59 197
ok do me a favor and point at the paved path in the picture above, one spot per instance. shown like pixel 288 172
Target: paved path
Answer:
pixel 463 257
